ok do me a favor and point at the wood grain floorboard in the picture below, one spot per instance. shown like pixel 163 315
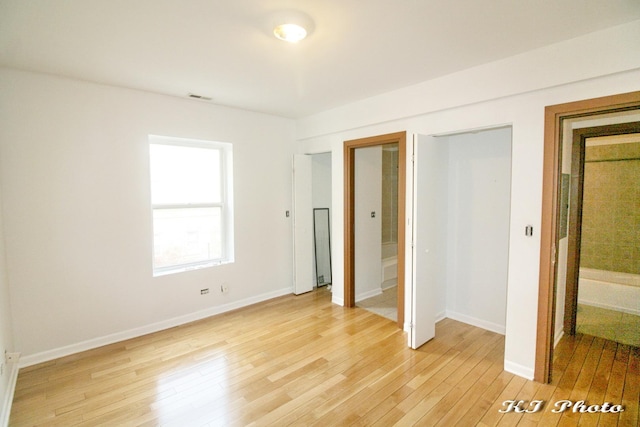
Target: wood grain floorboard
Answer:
pixel 302 361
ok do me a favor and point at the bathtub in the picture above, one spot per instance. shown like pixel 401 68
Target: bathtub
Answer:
pixel 389 264
pixel 611 290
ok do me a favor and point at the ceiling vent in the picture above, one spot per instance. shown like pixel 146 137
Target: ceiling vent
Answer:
pixel 200 97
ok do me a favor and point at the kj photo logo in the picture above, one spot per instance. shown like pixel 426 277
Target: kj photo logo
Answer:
pixel 581 407
pixel 521 406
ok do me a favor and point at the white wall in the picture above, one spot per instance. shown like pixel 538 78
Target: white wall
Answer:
pixel 512 92
pixel 554 65
pixel 479 179
pixel 321 180
pixel 9 374
pixel 368 230
pixel 77 218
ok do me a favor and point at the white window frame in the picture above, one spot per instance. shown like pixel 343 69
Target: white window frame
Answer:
pixel 226 183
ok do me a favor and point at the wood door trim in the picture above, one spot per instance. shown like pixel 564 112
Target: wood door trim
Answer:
pixel 554 116
pixel 349 213
pixel 575 212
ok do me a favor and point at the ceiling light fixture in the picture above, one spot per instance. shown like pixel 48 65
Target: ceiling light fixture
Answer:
pixel 291 26
pixel 292 33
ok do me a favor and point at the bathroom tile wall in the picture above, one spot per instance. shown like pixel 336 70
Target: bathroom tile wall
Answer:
pixel 611 208
pixel 389 196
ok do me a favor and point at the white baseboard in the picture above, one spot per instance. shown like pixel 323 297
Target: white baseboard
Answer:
pixel 337 301
pixel 8 398
pixel 388 284
pixel 628 310
pixel 56 353
pixel 519 370
pixel 490 326
pixel 368 294
pixel 464 319
pixel 557 337
pixel 406 327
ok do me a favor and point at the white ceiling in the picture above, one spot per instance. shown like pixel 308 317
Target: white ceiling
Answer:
pixel 223 49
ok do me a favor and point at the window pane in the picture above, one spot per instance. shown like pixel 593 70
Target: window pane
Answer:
pixel 182 174
pixel 184 236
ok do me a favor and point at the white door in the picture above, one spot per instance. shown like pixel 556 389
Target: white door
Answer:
pixel 302 225
pixel 428 254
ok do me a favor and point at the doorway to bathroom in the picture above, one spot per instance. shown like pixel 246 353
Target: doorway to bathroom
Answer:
pixel 376 205
pixel 363 226
pixel 457 212
pixel 558 127
pixel 603 263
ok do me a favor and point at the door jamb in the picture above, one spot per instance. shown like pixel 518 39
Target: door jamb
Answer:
pixel 349 214
pixel 554 116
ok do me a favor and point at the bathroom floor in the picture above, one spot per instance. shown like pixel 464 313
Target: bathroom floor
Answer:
pixel 613 325
pixel 385 304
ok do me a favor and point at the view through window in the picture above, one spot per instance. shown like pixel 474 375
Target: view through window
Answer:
pixel 191 197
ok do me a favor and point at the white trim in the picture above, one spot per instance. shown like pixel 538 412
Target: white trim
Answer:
pixel 338 301
pixel 558 337
pixel 8 398
pixel 610 277
pixel 627 310
pixel 45 356
pixel 407 327
pixel 490 326
pixel 594 141
pixel 368 294
pixel 519 370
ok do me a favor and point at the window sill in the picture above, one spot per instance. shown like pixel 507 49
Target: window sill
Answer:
pixel 182 269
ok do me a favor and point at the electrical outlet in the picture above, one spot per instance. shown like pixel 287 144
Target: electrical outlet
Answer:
pixel 204 291
pixel 224 288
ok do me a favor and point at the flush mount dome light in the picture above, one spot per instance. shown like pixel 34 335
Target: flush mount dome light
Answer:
pixel 291 26
pixel 290 32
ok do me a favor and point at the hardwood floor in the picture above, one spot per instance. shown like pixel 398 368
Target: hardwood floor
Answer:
pixel 300 360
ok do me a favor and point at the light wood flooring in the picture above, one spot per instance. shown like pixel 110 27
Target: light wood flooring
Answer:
pixel 300 360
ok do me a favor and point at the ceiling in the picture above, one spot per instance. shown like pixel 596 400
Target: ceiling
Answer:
pixel 223 49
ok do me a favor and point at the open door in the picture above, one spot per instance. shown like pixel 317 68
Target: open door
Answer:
pixel 428 254
pixel 302 225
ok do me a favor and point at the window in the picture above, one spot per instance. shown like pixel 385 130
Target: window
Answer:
pixel 192 203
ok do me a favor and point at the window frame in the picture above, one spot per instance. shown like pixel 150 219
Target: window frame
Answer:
pixel 225 150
